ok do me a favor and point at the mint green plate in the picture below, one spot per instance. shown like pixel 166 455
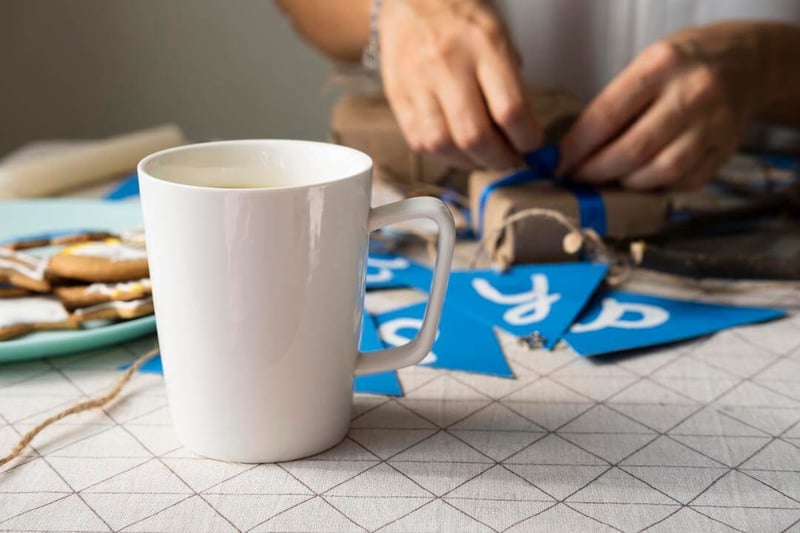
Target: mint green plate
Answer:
pixel 21 218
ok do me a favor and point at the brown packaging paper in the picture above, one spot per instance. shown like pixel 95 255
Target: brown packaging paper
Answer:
pixel 366 122
pixel 539 240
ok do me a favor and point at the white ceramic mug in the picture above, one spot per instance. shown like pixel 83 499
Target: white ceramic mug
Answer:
pixel 257 255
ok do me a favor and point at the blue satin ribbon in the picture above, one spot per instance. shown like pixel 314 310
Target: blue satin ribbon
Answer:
pixel 542 165
pixel 591 209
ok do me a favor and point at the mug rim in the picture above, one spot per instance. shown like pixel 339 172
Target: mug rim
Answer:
pixel 142 172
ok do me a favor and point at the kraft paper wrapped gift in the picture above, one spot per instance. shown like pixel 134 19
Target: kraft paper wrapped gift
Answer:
pixel 366 122
pixel 540 240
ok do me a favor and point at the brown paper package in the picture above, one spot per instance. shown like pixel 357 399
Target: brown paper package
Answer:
pixel 539 240
pixel 366 122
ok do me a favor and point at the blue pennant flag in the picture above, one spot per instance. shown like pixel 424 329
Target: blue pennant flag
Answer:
pixel 394 271
pixel 128 188
pixel 370 341
pixel 153 366
pixel 527 299
pixel 618 321
pixel 462 343
pixel 382 383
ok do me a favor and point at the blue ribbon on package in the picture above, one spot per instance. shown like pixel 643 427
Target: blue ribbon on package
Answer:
pixel 542 165
pixel 591 209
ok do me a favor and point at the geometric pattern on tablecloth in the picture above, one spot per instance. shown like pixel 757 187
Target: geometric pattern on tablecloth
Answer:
pixel 698 436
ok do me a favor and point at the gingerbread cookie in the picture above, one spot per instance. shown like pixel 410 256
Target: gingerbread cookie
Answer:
pixel 19 316
pixel 115 310
pixel 109 260
pixel 98 293
pixel 24 271
pixel 10 291
pixel 61 240
pixel 115 266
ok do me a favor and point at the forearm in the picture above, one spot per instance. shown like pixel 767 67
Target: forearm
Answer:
pixel 781 52
pixel 338 28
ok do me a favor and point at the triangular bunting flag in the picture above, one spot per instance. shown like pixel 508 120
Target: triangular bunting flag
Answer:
pixel 386 271
pixel 526 300
pixel 383 382
pixel 463 343
pixel 618 321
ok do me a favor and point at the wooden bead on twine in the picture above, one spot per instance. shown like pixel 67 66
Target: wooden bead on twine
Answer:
pixel 576 240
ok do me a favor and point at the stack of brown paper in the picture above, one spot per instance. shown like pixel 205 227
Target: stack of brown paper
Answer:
pixel 367 123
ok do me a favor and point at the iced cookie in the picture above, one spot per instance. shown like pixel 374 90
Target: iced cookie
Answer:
pixel 10 291
pixel 109 260
pixel 24 271
pixel 115 310
pixel 19 316
pixel 61 240
pixel 98 293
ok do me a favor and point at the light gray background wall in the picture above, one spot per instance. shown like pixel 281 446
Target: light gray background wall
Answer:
pixel 218 68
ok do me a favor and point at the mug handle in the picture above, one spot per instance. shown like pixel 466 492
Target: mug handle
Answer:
pixel 416 350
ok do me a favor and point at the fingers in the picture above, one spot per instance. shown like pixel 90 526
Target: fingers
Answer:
pixel 634 148
pixel 431 57
pixel 660 123
pixel 508 103
pixel 673 164
pixel 472 129
pixel 424 126
pixel 617 105
pixel 457 131
pixel 697 177
pixel 710 163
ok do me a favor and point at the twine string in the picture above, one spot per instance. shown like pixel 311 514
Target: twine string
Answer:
pixel 86 405
pixel 621 268
pixel 587 240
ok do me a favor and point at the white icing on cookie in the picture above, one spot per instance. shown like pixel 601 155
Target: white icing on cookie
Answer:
pixel 115 289
pixel 133 238
pixel 113 249
pixel 30 310
pixel 122 306
pixel 27 265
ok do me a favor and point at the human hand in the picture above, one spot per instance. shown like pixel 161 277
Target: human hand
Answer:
pixel 674 115
pixel 452 78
